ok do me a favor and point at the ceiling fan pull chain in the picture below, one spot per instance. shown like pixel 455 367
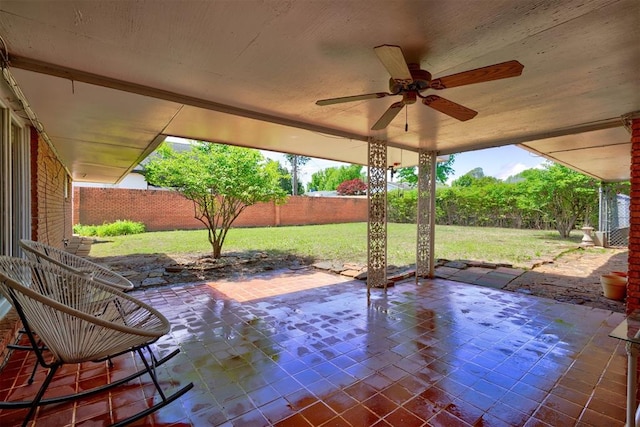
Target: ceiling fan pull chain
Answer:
pixel 406 120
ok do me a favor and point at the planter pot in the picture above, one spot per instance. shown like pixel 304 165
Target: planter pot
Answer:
pixel 614 286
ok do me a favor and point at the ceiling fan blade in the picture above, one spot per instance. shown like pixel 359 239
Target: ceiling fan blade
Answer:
pixel 393 60
pixel 362 97
pixel 479 75
pixel 388 116
pixel 449 108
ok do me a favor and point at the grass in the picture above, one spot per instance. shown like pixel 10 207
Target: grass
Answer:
pixel 348 243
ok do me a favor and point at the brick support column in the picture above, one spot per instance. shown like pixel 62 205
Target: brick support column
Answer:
pixel 633 287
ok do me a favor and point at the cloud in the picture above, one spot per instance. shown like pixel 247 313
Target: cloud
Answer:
pixel 511 169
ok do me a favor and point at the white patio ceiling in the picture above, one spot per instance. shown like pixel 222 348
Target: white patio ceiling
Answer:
pixel 109 80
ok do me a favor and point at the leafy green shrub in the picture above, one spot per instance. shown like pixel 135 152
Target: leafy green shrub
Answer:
pixel 85 230
pixel 402 206
pixel 118 228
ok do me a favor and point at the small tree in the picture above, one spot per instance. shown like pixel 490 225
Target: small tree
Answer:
pixel 409 175
pixel 220 180
pixel 296 163
pixel 285 179
pixel 352 187
pixel 566 195
pixel 328 179
pixel 475 178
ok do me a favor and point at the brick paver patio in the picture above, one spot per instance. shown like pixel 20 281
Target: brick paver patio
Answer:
pixel 303 348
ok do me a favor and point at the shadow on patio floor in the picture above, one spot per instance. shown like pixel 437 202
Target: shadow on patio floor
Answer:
pixel 574 277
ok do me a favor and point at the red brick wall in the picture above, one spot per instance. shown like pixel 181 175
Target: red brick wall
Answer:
pixel 50 209
pixel 633 287
pixel 302 210
pixel 50 216
pixel 166 210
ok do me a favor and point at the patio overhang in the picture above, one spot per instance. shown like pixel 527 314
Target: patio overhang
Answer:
pixel 109 81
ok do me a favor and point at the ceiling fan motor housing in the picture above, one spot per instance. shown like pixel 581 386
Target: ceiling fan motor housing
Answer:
pixel 421 79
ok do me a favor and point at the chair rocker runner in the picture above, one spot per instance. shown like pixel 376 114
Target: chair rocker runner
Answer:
pixel 81 320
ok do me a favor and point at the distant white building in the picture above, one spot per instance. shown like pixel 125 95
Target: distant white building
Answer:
pixel 134 180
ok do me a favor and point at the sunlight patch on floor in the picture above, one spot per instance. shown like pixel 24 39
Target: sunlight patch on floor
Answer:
pixel 265 286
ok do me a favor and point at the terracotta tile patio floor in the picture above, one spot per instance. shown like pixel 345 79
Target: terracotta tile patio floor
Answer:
pixel 303 348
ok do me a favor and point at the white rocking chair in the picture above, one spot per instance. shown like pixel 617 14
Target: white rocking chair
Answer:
pixel 80 320
pixel 45 254
pixel 42 253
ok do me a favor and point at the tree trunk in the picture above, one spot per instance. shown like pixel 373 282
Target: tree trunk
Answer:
pixel 564 227
pixel 294 189
pixel 217 250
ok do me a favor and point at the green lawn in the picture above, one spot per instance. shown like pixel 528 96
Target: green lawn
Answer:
pixel 348 242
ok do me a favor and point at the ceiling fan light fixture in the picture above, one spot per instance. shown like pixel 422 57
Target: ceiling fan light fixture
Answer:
pixel 409 97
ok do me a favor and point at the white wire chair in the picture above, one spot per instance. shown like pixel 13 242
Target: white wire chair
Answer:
pixel 45 254
pixel 80 320
pixel 42 253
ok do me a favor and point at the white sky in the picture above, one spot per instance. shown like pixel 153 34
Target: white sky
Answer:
pixel 501 162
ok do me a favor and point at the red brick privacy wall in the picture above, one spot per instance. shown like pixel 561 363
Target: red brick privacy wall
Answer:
pixel 303 210
pixel 51 207
pixel 166 210
pixel 633 287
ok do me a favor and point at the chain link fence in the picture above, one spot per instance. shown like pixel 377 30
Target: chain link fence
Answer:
pixel 615 213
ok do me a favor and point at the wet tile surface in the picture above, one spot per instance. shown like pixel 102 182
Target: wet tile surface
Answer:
pixel 303 348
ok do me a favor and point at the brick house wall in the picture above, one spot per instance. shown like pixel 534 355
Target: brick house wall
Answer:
pixel 162 210
pixel 50 216
pixel 51 206
pixel 633 286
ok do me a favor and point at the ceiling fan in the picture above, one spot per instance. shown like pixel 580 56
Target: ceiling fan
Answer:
pixel 409 81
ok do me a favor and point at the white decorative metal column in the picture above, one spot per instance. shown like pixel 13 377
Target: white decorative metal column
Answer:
pixel 425 217
pixel 377 222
